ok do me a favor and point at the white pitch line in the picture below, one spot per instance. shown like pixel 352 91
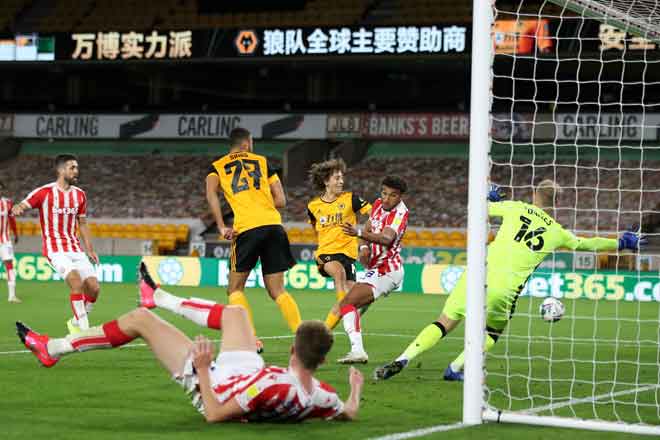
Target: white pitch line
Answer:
pixel 589 399
pixel 420 432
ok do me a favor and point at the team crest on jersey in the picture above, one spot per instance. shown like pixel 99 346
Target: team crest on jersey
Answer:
pixel 342 206
pixel 323 220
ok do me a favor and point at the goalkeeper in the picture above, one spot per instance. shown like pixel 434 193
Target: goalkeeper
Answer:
pixel 527 235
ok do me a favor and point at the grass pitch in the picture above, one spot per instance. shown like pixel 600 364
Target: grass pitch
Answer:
pixel 124 393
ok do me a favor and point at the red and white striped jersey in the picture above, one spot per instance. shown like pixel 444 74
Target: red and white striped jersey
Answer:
pixel 6 220
pixel 387 259
pixel 275 394
pixel 58 214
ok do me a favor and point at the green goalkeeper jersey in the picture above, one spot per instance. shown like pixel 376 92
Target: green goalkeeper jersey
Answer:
pixel 528 235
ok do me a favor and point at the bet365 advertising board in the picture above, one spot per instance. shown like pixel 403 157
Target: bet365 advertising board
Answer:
pixel 419 278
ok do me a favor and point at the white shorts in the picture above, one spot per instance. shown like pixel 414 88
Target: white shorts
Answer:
pixel 65 262
pixel 6 251
pixel 226 365
pixel 383 285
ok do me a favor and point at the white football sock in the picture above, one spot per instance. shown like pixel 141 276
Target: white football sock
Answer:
pixel 351 321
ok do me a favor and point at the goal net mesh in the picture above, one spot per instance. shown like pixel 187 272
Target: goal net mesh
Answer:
pixel 576 99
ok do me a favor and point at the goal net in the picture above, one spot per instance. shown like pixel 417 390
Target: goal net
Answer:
pixel 576 99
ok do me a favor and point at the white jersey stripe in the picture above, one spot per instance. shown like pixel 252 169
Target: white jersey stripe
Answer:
pixel 66 237
pixel 45 224
pixel 57 238
pixel 75 199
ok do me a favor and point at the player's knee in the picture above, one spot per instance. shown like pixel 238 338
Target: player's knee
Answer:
pixel 142 314
pixel 234 313
pixel 74 281
pixel 92 287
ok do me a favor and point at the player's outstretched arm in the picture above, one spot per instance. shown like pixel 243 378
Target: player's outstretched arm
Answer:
pixel 20 208
pixel 627 240
pixel 385 238
pixel 212 197
pixel 14 229
pixel 214 411
pixel 352 405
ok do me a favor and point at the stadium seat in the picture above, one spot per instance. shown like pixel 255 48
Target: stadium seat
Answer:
pixel 115 228
pixel 425 235
pixel 456 236
pixel 410 235
pixel 440 235
pixel 457 244
pixel 182 232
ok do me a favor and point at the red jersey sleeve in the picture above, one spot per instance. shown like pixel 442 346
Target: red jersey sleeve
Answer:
pixel 82 209
pixel 35 198
pixel 11 218
pixel 398 222
pixel 327 404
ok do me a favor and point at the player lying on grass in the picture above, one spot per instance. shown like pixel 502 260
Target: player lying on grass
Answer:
pixel 236 385
pixel 527 235
pixel 381 258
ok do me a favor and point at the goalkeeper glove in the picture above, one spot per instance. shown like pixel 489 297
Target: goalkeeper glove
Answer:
pixel 495 193
pixel 632 240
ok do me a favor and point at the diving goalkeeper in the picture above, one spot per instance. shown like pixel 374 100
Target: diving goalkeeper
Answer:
pixel 527 235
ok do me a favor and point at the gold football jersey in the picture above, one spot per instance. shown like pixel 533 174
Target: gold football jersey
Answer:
pixel 327 218
pixel 245 180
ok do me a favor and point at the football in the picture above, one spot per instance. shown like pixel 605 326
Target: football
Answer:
pixel 551 310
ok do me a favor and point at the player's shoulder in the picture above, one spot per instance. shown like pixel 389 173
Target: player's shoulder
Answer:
pixel 512 205
pixel 77 189
pixel 346 198
pixel 46 187
pixel 253 155
pixel 401 208
pixel 316 200
pixel 325 387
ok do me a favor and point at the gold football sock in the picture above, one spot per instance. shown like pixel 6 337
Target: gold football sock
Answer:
pixel 289 310
pixel 238 298
pixel 331 320
pixel 340 295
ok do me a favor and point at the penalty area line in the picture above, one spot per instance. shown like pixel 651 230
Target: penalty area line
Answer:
pixel 420 432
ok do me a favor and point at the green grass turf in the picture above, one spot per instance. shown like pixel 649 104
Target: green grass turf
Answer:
pixel 124 393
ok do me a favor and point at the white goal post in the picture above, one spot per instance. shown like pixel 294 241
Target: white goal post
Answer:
pixel 568 90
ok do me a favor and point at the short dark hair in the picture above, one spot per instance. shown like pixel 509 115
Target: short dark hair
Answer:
pixel 320 172
pixel 61 159
pixel 395 182
pixel 238 135
pixel 313 342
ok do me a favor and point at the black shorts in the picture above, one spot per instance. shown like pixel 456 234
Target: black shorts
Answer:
pixel 270 244
pixel 344 260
